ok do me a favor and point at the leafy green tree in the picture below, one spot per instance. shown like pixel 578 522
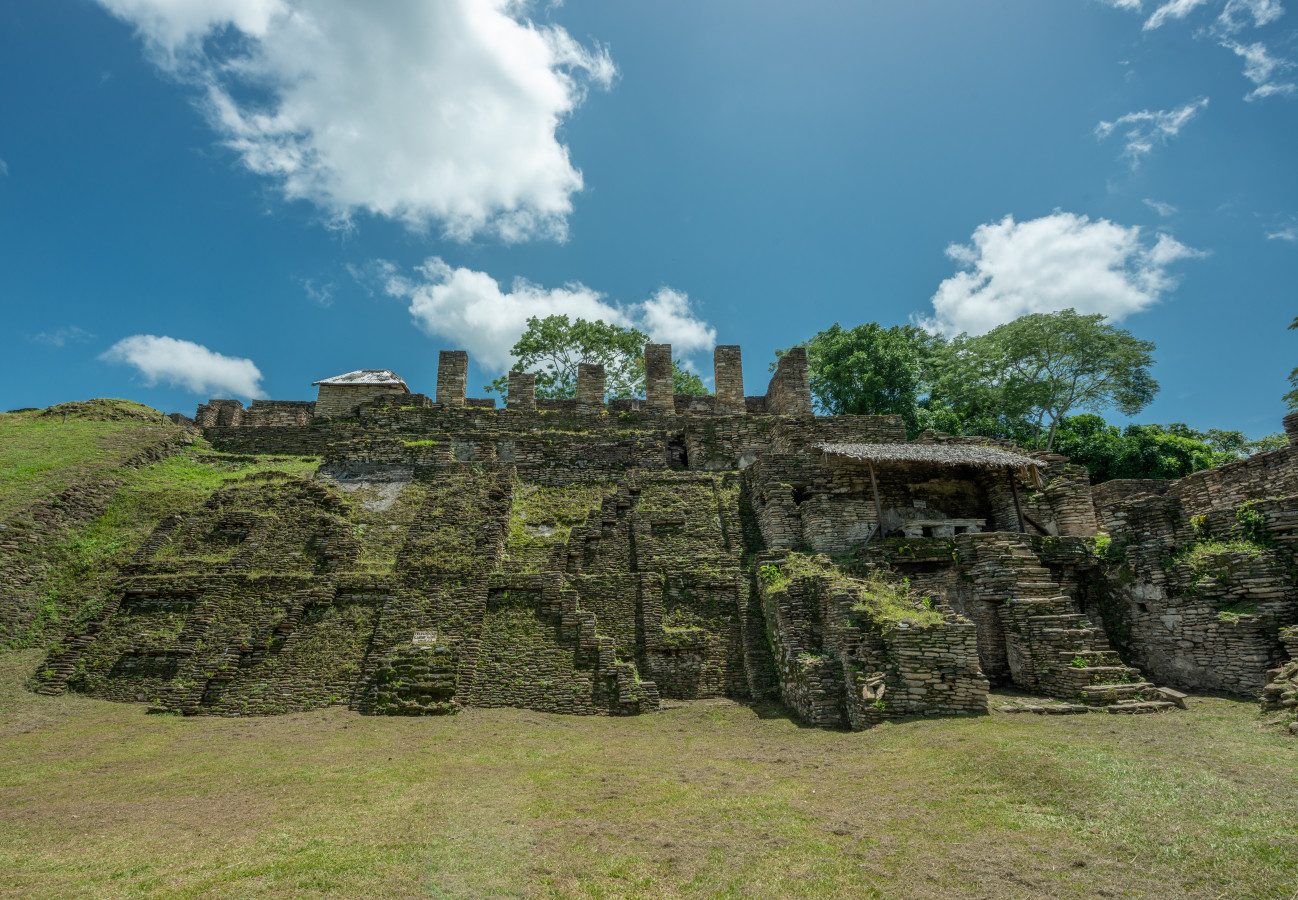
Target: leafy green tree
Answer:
pixel 1137 451
pixel 1043 366
pixel 686 382
pixel 553 347
pixel 871 370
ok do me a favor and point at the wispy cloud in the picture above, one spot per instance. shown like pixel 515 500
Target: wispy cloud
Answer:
pixel 1133 5
pixel 445 113
pixel 190 365
pixel 321 293
pixel 4 167
pixel 1260 67
pixel 1287 232
pixel 1262 12
pixel 69 334
pixel 1147 129
pixel 1163 209
pixel 1173 9
pixel 477 313
pixel 1060 261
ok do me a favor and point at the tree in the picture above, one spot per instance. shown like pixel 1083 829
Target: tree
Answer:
pixel 871 370
pixel 686 382
pixel 1043 366
pixel 553 347
pixel 1137 451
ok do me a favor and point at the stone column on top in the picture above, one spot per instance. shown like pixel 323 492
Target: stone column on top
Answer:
pixel 728 375
pixel 452 376
pixel 660 395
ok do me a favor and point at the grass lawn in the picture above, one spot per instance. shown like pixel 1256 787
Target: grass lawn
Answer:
pixel 709 799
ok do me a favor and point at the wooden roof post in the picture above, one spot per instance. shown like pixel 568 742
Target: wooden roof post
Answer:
pixel 1014 489
pixel 878 507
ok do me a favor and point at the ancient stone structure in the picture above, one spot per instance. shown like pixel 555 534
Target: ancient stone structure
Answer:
pixel 342 394
pixel 587 557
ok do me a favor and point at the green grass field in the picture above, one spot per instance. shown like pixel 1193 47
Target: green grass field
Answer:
pixel 710 799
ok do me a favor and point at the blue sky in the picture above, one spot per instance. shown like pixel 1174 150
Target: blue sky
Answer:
pixel 239 197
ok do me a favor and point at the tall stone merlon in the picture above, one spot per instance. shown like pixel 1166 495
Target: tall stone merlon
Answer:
pixel 660 395
pixel 728 375
pixel 789 393
pixel 590 387
pixel 1291 427
pixel 452 376
pixel 522 391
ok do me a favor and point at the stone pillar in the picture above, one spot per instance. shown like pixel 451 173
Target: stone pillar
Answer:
pixel 452 375
pixel 660 394
pixel 728 376
pixel 590 388
pixel 790 391
pixel 522 391
pixel 1291 427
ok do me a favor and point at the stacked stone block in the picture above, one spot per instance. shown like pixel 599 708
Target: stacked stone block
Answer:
pixel 590 388
pixel 452 377
pixel 522 391
pixel 659 385
pixel 728 378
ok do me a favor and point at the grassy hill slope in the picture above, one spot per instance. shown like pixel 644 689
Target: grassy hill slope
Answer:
pixel 81 486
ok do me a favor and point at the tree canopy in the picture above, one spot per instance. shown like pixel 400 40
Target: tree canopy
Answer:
pixel 1043 366
pixel 870 370
pixel 553 347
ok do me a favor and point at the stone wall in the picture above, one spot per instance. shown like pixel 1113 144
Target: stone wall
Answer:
pixel 341 400
pixel 789 393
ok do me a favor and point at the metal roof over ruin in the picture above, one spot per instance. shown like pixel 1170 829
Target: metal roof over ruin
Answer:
pixel 366 376
pixel 940 454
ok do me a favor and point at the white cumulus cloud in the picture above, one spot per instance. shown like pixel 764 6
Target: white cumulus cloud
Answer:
pixel 431 113
pixel 187 364
pixel 1059 261
pixel 474 312
pixel 1145 130
pixel 1173 9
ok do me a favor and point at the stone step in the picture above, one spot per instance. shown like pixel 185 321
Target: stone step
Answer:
pixel 1135 708
pixel 1104 694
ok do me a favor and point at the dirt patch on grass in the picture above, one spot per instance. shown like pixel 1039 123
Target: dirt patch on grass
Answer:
pixel 708 799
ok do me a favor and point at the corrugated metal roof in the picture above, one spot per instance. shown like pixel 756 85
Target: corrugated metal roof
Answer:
pixel 943 454
pixel 366 376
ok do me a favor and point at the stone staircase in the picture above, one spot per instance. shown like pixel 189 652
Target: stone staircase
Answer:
pixel 1052 648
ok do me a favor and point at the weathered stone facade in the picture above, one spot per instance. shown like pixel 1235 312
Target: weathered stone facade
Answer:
pixel 588 557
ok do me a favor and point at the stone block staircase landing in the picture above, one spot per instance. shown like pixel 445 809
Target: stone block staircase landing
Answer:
pixel 1052 648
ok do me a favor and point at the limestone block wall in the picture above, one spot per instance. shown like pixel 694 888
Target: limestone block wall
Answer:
pixel 1260 476
pixel 522 391
pixel 590 388
pixel 789 393
pixel 219 412
pixel 278 413
pixel 342 400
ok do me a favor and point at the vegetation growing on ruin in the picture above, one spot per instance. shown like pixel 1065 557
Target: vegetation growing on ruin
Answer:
pixel 83 564
pixel 886 600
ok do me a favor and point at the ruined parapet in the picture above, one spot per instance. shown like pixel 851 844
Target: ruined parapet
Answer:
pixel 279 413
pixel 219 412
pixel 728 376
pixel 1291 427
pixel 452 376
pixel 659 393
pixel 342 395
pixel 789 393
pixel 590 388
pixel 522 391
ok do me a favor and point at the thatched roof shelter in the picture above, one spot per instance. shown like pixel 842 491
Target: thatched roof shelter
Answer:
pixel 942 454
